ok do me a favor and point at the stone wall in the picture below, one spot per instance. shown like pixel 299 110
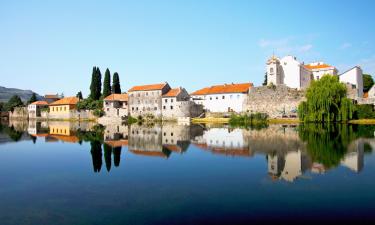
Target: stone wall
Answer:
pixel 19 112
pixel 274 100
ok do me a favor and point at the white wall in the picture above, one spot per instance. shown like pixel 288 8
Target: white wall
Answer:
pixel 354 76
pixel 223 138
pixel 319 73
pixel 291 71
pixel 221 102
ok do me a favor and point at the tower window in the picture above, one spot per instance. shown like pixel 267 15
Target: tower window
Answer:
pixel 271 70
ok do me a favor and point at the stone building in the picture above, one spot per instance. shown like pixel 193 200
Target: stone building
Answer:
pixel 176 104
pixel 147 99
pixel 222 98
pixel 34 109
pixel 115 107
pixel 353 77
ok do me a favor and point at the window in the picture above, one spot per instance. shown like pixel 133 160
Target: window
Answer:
pixel 210 98
pixel 317 77
pixel 166 100
pixel 271 70
pixel 132 108
pixel 223 97
pixel 164 107
pixel 171 100
pixel 217 97
pixel 146 93
pixel 156 108
pixel 172 134
pixel 171 107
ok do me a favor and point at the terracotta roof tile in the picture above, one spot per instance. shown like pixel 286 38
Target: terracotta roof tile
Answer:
pixel 117 97
pixel 66 101
pixel 173 92
pixel 70 139
pixel 51 96
pixel 148 87
pixel 313 67
pixel 39 103
pixel 224 88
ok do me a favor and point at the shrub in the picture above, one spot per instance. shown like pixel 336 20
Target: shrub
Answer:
pixel 364 112
pixel 98 112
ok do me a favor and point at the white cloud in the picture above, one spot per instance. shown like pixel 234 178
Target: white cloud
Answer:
pixel 285 46
pixel 345 46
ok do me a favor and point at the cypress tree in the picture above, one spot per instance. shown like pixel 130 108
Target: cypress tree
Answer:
pixel 116 88
pixel 96 84
pixel 32 98
pixel 107 83
pixel 79 95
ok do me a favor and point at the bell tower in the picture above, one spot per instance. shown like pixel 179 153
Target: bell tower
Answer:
pixel 273 71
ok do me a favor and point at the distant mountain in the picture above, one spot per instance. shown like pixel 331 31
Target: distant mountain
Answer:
pixel 7 93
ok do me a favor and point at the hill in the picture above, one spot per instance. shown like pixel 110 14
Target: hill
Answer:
pixel 7 93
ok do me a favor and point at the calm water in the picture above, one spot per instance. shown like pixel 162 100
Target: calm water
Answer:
pixel 70 173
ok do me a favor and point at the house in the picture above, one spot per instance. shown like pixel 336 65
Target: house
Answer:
pixel 353 77
pixel 51 98
pixel 116 106
pixel 34 109
pixel 64 108
pixel 288 71
pixel 222 98
pixel 176 104
pixel 319 69
pixel 147 99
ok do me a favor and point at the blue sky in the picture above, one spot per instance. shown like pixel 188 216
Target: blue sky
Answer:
pixel 50 46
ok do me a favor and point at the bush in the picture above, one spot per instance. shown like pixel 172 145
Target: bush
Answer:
pixel 364 112
pixel 132 120
pixel 248 119
pixel 98 112
pixel 89 104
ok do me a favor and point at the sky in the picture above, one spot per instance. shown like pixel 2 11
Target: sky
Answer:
pixel 51 46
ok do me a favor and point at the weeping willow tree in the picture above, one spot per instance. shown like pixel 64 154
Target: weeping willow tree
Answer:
pixel 326 101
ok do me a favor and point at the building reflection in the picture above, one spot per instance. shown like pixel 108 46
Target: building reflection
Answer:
pixel 290 152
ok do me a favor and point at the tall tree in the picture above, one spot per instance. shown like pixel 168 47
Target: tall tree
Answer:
pixel 326 101
pixel 96 84
pixel 368 81
pixel 14 101
pixel 107 83
pixel 116 88
pixel 32 99
pixel 79 95
pixel 265 80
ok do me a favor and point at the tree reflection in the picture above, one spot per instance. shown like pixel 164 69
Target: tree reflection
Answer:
pixel 107 156
pixel 328 143
pixel 96 153
pixel 116 156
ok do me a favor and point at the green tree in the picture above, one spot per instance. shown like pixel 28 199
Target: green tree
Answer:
pixel 79 95
pixel 265 80
pixel 1 106
pixel 32 99
pixel 326 102
pixel 368 81
pixel 116 88
pixel 107 83
pixel 96 84
pixel 14 101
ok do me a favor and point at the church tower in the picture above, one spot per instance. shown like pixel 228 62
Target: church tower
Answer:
pixel 273 71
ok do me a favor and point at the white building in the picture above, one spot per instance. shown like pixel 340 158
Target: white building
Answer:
pixel 34 109
pixel 319 69
pixel 222 98
pixel 354 77
pixel 288 71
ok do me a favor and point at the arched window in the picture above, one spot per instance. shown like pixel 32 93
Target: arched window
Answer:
pixel 271 70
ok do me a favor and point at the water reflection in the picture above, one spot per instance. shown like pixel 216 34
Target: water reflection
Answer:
pixel 290 152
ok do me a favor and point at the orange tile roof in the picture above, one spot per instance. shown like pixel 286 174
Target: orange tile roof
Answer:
pixel 70 139
pixel 118 143
pixel 173 92
pixel 39 103
pixel 66 101
pixel 173 148
pixel 224 88
pixel 149 87
pixel 51 96
pixel 40 135
pixel 117 97
pixel 149 153
pixel 313 67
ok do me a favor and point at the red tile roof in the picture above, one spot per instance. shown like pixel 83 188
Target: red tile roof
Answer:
pixel 149 87
pixel 117 97
pixel 39 103
pixel 225 88
pixel 173 92
pixel 52 96
pixel 118 143
pixel 313 67
pixel 66 101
